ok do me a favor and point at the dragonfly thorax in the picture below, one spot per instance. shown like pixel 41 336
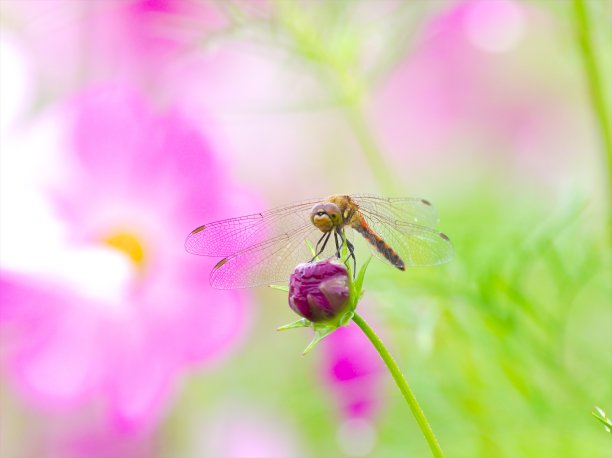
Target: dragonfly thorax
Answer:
pixel 326 216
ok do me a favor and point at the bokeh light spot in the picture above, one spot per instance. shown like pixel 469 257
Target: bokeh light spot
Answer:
pixel 356 437
pixel 495 26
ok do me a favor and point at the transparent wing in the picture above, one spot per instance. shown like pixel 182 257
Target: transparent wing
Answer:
pixel 407 209
pixel 271 261
pixel 226 237
pixel 416 245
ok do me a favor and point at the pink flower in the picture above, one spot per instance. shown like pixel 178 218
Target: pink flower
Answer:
pixel 156 44
pixel 448 79
pixel 464 87
pixel 77 436
pixel 138 180
pixel 353 371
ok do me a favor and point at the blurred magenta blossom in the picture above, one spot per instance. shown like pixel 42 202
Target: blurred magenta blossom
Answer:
pixel 353 371
pixel 127 39
pixel 246 431
pixel 152 44
pixel 136 181
pixel 449 79
pixel 180 52
pixel 465 75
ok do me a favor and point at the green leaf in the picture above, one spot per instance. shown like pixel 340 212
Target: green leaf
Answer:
pixel 601 416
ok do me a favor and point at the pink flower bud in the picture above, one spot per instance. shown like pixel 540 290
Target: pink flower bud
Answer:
pixel 319 291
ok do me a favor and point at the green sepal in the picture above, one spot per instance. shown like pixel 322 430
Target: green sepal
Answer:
pixel 346 318
pixel 303 323
pixel 312 250
pixel 322 330
pixel 356 285
pixel 361 275
pixel 280 287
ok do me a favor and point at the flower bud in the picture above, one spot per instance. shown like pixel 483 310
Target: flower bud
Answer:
pixel 319 291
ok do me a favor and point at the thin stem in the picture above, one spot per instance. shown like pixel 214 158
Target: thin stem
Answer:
pixel 402 384
pixel 595 81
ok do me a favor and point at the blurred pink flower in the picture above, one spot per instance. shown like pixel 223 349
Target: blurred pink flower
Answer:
pixel 352 369
pixel 448 79
pixel 138 181
pixel 465 87
pixel 153 44
pixel 246 432
pixel 75 436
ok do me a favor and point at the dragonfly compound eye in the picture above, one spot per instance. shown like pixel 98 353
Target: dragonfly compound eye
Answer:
pixel 334 213
pixel 321 219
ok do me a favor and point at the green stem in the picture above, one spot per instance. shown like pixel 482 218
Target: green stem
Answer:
pixel 595 81
pixel 402 384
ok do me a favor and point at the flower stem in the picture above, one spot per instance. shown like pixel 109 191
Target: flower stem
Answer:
pixel 402 384
pixel 595 81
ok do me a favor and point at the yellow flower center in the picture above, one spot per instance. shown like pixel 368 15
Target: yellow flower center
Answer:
pixel 128 244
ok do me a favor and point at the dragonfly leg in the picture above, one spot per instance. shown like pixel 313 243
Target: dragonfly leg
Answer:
pixel 319 242
pixel 320 251
pixel 351 249
pixel 337 244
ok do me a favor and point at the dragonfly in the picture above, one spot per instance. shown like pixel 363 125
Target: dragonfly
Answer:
pixel 264 248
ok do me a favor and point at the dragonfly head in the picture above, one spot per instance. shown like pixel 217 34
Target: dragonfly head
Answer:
pixel 326 216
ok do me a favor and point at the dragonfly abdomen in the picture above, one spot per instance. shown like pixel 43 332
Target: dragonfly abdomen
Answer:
pixel 377 242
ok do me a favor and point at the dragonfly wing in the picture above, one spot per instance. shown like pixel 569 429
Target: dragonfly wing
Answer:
pixel 271 261
pixel 416 245
pixel 407 209
pixel 226 237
